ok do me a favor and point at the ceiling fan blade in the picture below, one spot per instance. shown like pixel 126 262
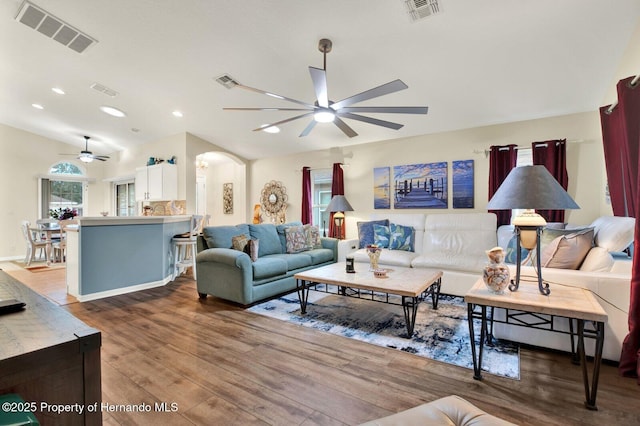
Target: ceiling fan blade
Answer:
pixel 273 95
pixel 344 127
pixel 283 121
pixel 308 129
pixel 266 109
pixel 319 78
pixel 388 110
pixel 385 89
pixel 370 120
pixel 100 158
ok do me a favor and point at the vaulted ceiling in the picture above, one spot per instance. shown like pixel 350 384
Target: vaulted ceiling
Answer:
pixel 474 63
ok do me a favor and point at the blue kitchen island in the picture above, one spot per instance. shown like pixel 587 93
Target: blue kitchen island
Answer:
pixel 107 256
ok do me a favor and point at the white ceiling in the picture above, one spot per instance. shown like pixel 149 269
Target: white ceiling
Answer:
pixel 477 63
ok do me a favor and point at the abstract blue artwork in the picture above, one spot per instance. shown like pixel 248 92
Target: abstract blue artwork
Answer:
pixel 463 189
pixel 381 191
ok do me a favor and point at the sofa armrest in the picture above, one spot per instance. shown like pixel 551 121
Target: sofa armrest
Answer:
pixel 225 273
pixel 225 256
pixel 346 247
pixel 331 244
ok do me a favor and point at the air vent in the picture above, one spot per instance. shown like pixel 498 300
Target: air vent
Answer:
pixel 52 27
pixel 104 90
pixel 420 9
pixel 227 81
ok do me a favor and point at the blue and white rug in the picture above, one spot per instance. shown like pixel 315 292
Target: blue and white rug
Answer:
pixel 442 335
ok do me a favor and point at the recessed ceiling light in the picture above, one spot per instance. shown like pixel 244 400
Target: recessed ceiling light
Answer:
pixel 112 111
pixel 177 114
pixel 57 90
pixel 37 106
pixel 271 129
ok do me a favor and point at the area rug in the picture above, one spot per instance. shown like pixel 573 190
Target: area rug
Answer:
pixel 442 334
pixel 40 266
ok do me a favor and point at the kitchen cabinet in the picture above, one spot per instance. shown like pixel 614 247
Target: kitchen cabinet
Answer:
pixel 157 183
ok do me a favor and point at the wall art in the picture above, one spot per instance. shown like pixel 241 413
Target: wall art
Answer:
pixel 227 198
pixel 420 186
pixel 381 189
pixel 463 184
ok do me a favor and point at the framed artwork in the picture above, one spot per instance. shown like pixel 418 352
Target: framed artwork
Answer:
pixel 420 186
pixel 381 190
pixel 463 181
pixel 227 198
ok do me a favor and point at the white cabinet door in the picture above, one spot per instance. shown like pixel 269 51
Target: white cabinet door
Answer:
pixel 141 184
pixel 154 182
pixel 157 183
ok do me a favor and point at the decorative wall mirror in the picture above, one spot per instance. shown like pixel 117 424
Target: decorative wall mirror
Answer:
pixel 273 199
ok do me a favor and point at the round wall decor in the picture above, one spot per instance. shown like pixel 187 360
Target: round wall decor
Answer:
pixel 273 199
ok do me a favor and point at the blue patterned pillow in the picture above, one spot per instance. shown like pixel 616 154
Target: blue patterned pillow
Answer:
pixel 365 231
pixel 381 235
pixel 511 253
pixel 401 237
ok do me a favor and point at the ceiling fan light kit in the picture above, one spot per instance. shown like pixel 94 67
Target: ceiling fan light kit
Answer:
pixel 324 110
pixel 87 156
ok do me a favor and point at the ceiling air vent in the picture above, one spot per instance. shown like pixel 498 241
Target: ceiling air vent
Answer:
pixel 420 9
pixel 227 81
pixel 52 27
pixel 104 90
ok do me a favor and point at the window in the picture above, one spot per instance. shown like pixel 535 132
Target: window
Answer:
pixel 64 189
pixel 321 189
pixel 125 196
pixel 524 158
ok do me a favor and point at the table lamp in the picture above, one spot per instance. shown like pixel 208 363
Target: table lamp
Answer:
pixel 338 205
pixel 530 188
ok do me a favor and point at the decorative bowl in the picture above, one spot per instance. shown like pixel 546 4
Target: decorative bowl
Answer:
pixel 380 273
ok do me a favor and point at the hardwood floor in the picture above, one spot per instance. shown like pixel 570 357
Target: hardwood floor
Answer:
pixel 219 364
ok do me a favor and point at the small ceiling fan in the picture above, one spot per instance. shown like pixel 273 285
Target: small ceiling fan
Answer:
pixel 87 156
pixel 324 110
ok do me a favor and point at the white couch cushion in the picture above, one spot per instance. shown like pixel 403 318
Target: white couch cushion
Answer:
pixel 614 233
pixel 598 260
pixel 387 257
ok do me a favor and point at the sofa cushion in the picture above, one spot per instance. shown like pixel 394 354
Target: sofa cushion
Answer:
pixel 567 251
pixel 296 239
pixel 220 236
pixel 387 257
pixel 365 231
pixel 312 234
pixel 598 260
pixel 281 233
pixel 402 237
pixel 268 236
pixel 294 261
pixel 614 233
pixel 319 255
pixel 268 267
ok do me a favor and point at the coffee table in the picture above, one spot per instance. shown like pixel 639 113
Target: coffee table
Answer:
pixel 527 307
pixel 413 285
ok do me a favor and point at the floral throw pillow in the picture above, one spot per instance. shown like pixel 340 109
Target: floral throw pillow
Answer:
pixel 296 239
pixel 312 235
pixel 239 242
pixel 381 235
pixel 251 248
pixel 401 237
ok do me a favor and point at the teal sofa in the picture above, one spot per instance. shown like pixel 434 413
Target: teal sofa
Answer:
pixel 231 275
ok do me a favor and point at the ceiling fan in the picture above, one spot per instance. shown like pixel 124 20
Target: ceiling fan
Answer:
pixel 87 156
pixel 323 110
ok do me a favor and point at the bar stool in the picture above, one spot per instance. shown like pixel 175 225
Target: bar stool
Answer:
pixel 184 248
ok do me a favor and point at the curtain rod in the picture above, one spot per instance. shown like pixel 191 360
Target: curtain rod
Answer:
pixel 486 152
pixel 615 103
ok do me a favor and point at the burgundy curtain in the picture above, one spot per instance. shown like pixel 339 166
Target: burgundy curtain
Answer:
pixel 622 128
pixel 501 160
pixel 337 188
pixel 553 155
pixel 307 206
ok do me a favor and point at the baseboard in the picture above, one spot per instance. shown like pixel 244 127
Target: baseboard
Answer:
pixel 123 290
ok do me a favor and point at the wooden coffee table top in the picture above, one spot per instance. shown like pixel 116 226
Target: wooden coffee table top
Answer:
pixel 400 281
pixel 564 301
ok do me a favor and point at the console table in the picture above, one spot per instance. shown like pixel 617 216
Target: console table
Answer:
pixel 50 358
pixel 527 307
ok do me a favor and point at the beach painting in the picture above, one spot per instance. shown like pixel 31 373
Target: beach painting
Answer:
pixel 463 191
pixel 381 190
pixel 420 186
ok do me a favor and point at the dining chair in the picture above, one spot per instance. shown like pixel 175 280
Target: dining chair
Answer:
pixel 33 243
pixel 185 248
pixel 60 246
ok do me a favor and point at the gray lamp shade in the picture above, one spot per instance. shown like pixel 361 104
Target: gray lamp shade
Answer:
pixel 339 204
pixel 531 187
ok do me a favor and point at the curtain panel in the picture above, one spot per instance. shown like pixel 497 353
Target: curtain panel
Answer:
pixel 501 160
pixel 553 155
pixel 337 188
pixel 307 206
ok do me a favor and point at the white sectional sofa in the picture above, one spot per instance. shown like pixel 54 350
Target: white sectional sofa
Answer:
pixel 456 244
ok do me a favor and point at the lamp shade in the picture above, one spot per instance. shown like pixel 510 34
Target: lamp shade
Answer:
pixel 531 187
pixel 339 204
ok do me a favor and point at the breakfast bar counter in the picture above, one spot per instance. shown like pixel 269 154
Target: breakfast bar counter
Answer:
pixel 107 256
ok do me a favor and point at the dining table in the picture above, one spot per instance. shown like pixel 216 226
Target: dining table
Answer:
pixel 49 232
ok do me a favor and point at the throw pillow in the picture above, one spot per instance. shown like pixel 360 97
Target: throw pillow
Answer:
pixel 365 231
pixel 567 251
pixel 268 236
pixel 549 235
pixel 296 239
pixel 381 235
pixel 251 248
pixel 312 235
pixel 401 237
pixel 511 254
pixel 239 242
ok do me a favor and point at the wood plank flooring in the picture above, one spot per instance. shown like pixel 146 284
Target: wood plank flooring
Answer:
pixel 219 364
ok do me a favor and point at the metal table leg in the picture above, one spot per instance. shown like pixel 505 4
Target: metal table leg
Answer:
pixel 590 392
pixel 303 294
pixel 477 356
pixel 410 308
